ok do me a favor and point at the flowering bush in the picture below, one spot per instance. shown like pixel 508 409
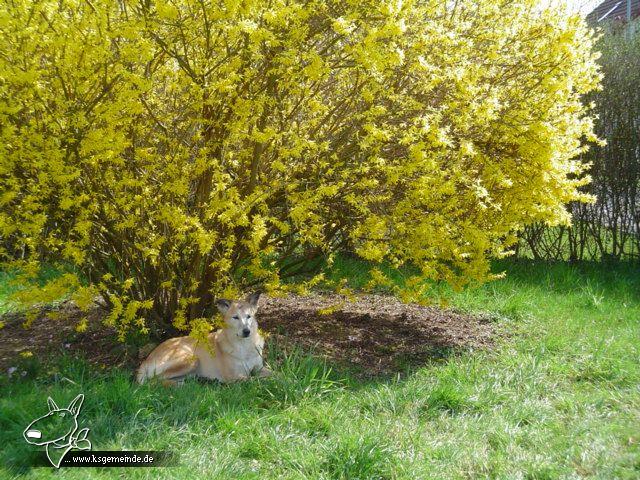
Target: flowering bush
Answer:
pixel 166 152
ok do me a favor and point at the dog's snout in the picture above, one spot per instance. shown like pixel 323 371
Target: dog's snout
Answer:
pixel 34 434
pixel 246 332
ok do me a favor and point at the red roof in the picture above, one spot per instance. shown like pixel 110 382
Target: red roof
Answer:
pixel 613 10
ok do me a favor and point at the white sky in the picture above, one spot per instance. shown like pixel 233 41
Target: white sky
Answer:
pixel 582 6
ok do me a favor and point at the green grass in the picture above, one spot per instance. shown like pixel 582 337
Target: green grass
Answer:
pixel 558 398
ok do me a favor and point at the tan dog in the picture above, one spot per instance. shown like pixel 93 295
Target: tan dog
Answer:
pixel 237 349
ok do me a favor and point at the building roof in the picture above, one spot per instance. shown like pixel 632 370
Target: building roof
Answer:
pixel 613 10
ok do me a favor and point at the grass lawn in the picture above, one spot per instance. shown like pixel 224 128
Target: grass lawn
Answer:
pixel 558 398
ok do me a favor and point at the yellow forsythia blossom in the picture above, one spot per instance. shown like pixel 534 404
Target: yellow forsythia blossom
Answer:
pixel 167 152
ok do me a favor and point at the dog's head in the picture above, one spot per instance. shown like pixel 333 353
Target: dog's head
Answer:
pixel 56 425
pixel 240 315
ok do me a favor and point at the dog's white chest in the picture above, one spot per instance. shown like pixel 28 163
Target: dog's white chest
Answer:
pixel 231 360
pixel 248 359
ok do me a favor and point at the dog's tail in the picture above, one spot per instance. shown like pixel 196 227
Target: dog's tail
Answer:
pixel 143 372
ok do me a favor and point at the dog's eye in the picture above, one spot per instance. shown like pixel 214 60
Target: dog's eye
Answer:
pixel 236 317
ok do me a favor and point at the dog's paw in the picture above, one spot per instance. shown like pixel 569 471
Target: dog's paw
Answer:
pixel 264 372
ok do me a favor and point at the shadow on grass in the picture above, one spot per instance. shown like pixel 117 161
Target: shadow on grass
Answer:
pixel 619 280
pixel 613 279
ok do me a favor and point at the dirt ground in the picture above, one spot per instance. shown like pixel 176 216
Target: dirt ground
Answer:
pixel 373 334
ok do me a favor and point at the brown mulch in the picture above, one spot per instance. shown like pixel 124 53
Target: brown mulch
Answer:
pixel 376 334
pixel 53 332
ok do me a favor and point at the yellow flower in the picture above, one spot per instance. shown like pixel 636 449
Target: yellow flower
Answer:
pixel 170 155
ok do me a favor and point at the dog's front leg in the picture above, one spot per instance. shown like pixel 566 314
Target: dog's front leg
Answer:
pixel 261 371
pixel 172 382
pixel 264 372
pixel 236 379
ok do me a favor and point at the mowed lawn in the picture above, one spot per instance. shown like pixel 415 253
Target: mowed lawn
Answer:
pixel 559 397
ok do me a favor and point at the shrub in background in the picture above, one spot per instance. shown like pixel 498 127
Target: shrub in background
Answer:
pixel 171 151
pixel 610 227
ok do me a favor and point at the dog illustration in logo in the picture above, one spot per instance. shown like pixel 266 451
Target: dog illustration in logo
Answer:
pixel 58 430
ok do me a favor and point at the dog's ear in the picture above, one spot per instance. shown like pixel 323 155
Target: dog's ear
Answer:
pixel 223 305
pixel 52 405
pixel 76 404
pixel 252 299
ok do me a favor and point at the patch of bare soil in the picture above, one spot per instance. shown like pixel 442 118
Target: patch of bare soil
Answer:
pixel 54 332
pixel 376 334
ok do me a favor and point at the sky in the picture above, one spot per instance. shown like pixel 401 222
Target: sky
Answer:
pixel 582 6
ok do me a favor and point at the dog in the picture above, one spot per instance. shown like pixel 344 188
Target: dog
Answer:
pixel 233 353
